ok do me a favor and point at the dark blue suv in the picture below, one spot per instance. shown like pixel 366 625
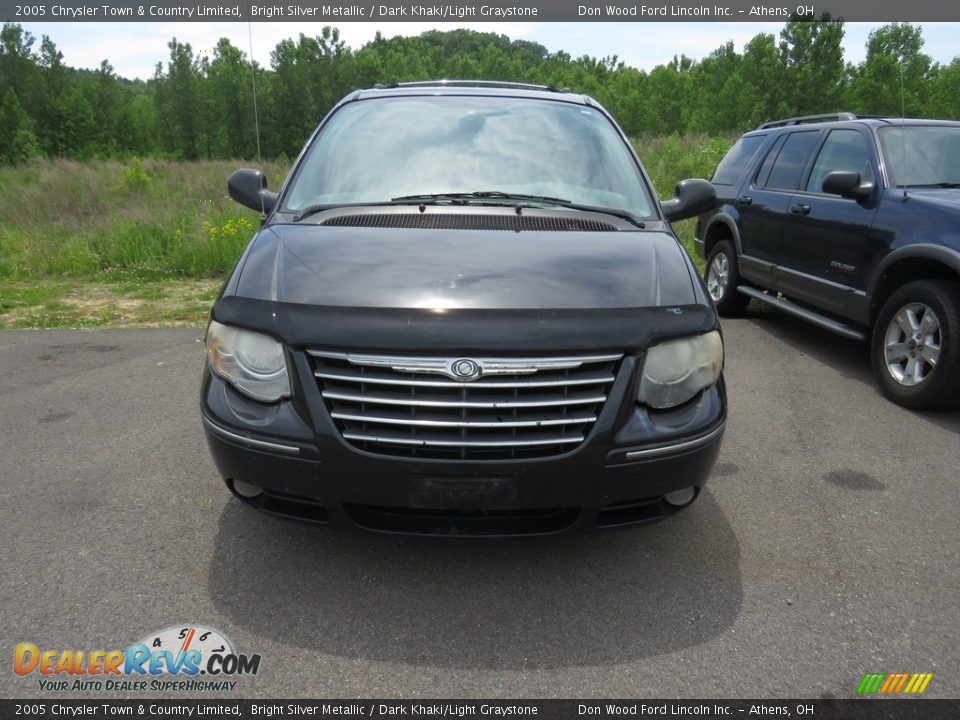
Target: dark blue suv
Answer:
pixel 851 223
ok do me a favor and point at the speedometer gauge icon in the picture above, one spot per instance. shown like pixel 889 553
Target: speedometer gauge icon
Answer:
pixel 181 639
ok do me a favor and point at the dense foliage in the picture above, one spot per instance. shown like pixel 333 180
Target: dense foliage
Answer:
pixel 200 107
pixel 138 220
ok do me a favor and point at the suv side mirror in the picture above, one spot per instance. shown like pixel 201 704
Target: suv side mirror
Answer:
pixel 249 188
pixel 691 197
pixel 846 183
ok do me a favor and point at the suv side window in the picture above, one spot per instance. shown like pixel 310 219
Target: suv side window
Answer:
pixel 736 159
pixel 788 166
pixel 764 172
pixel 842 150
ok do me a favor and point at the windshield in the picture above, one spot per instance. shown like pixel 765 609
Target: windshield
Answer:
pixel 374 150
pixel 921 155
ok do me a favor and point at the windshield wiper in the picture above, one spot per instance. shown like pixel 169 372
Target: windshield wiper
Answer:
pixel 934 185
pixel 615 212
pixel 465 197
pixel 479 195
pixel 310 210
pixel 453 198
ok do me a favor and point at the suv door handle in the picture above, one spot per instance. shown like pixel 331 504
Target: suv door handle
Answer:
pixel 799 209
pixel 744 199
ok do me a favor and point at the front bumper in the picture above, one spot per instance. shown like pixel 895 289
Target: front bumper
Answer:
pixel 618 476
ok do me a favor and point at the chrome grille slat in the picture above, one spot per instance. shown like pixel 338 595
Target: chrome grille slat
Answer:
pixel 505 404
pixel 505 384
pixel 372 359
pixel 492 366
pixel 419 407
pixel 463 443
pixel 548 422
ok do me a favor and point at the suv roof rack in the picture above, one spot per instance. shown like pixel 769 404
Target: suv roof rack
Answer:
pixel 471 83
pixel 803 119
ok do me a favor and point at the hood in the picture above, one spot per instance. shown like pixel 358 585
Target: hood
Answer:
pixel 941 197
pixel 401 268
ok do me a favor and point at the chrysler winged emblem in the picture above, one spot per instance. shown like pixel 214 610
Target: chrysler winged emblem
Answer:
pixel 465 369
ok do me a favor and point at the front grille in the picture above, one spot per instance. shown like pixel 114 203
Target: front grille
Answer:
pixel 413 407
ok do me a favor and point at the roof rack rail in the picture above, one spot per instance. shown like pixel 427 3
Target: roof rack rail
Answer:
pixel 471 83
pixel 803 119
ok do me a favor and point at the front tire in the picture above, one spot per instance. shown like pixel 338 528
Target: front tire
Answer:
pixel 722 278
pixel 915 348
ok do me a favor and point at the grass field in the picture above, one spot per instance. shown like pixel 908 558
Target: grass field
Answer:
pixel 148 242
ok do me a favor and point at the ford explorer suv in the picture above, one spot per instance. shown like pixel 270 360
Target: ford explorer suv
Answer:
pixel 465 313
pixel 852 224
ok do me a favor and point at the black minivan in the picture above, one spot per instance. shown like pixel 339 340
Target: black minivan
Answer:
pixel 465 313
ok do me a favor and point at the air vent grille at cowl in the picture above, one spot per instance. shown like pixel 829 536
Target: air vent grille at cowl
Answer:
pixel 469 221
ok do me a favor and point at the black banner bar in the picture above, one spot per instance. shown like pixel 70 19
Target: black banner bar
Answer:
pixel 872 709
pixel 334 11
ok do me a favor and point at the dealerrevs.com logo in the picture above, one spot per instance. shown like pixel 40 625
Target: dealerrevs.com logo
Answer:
pixel 186 658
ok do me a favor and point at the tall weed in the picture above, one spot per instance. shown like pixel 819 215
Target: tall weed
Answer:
pixel 145 217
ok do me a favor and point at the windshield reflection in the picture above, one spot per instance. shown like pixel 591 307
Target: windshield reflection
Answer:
pixel 921 155
pixel 374 150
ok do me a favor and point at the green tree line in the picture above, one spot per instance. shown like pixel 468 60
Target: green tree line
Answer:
pixel 200 106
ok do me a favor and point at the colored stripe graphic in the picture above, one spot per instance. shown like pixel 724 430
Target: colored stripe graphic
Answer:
pixel 871 683
pixel 894 683
pixel 927 677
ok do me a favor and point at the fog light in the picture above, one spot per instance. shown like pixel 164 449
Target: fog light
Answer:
pixel 245 489
pixel 679 498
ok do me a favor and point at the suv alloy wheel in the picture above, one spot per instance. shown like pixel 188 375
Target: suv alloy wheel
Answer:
pixel 916 342
pixel 722 279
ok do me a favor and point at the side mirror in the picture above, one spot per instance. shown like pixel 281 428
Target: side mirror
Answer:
pixel 249 188
pixel 846 183
pixel 691 198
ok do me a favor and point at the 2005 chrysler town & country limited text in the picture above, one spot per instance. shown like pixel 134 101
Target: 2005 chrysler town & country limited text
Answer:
pixel 465 313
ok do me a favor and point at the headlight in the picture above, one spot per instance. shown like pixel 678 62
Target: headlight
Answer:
pixel 675 371
pixel 252 362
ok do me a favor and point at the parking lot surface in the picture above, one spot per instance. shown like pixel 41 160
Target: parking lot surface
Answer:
pixel 826 546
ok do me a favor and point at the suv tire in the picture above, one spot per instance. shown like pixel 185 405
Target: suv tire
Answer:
pixel 916 345
pixel 722 278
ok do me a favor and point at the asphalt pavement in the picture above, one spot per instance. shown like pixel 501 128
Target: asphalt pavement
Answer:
pixel 826 546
